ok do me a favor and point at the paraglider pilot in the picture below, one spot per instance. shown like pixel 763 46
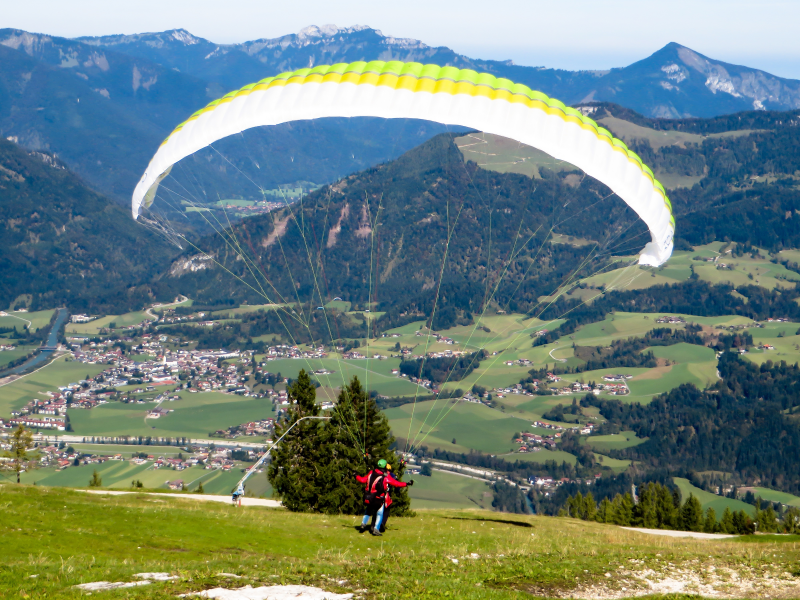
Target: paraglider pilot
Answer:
pixel 376 496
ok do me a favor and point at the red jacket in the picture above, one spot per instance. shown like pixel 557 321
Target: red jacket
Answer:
pixel 380 484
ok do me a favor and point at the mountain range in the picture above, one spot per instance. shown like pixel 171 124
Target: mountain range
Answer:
pixel 104 104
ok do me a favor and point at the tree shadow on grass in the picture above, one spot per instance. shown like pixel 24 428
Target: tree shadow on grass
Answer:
pixel 484 520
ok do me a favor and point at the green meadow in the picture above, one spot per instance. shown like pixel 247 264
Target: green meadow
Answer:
pixel 194 415
pixel 709 500
pixel 473 426
pixel 66 538
pixel 450 490
pixel 614 441
pixel 110 322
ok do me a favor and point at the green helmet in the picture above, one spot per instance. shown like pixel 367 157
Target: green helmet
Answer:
pixel 381 464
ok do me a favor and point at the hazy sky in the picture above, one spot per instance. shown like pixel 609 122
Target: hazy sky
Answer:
pixel 580 34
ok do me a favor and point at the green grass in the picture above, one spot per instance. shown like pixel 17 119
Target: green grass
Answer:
pixel 8 356
pixel 61 371
pixel 448 490
pixel 376 373
pixel 66 537
pixel 496 153
pixel 18 320
pixel 473 426
pixel 707 499
pixel 128 449
pixel 776 496
pixel 614 441
pixel 195 416
pixel 119 321
pixel 118 475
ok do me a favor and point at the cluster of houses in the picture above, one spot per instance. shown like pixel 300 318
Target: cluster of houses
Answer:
pixel 4 347
pixel 582 429
pixel 670 319
pixel 65 457
pixel 439 338
pixel 263 427
pixel 522 362
pixel 549 483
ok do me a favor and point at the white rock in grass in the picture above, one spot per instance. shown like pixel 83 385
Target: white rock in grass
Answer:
pixel 273 592
pixel 156 576
pixel 99 586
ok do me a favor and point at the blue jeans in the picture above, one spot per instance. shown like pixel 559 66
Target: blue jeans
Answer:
pixel 377 516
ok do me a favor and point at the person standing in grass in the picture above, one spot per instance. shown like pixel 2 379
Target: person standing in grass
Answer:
pixel 374 494
pixel 391 482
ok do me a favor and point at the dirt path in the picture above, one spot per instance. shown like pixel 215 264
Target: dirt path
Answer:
pixel 200 497
pixel 681 534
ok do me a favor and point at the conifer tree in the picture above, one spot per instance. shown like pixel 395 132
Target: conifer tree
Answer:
pixel 353 440
pixel 726 524
pixel 710 525
pixel 605 512
pixel 623 509
pixel 692 515
pixel 295 470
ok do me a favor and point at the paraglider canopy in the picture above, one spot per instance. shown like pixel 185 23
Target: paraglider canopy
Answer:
pixel 429 92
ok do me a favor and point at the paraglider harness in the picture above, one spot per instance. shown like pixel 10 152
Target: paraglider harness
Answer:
pixel 375 489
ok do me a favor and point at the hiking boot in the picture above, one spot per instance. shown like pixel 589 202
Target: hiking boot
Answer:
pixel 383 529
pixel 375 532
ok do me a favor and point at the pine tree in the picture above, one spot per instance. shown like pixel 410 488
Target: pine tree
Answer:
pixel 644 513
pixel 96 480
pixel 666 508
pixel 766 520
pixel 726 524
pixel 691 518
pixel 295 470
pixel 353 440
pixel 605 512
pixel 710 524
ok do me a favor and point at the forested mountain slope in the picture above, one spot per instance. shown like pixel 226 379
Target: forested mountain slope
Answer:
pixel 385 234
pixel 65 244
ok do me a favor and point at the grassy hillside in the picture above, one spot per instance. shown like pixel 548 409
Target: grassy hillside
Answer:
pixel 709 500
pixel 65 538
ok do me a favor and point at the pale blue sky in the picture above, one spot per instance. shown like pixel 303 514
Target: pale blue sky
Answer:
pixel 596 34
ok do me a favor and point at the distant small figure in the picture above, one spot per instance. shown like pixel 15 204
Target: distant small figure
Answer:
pixel 238 494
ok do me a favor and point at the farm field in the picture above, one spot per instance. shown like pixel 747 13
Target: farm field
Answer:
pixel 58 373
pixel 9 356
pixel 541 456
pixel 194 416
pixel 118 322
pixel 127 449
pixel 776 496
pixel 742 270
pixel 615 441
pixel 449 490
pixel 19 320
pixel 377 372
pixel 472 426
pixel 707 499
pixel 118 475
